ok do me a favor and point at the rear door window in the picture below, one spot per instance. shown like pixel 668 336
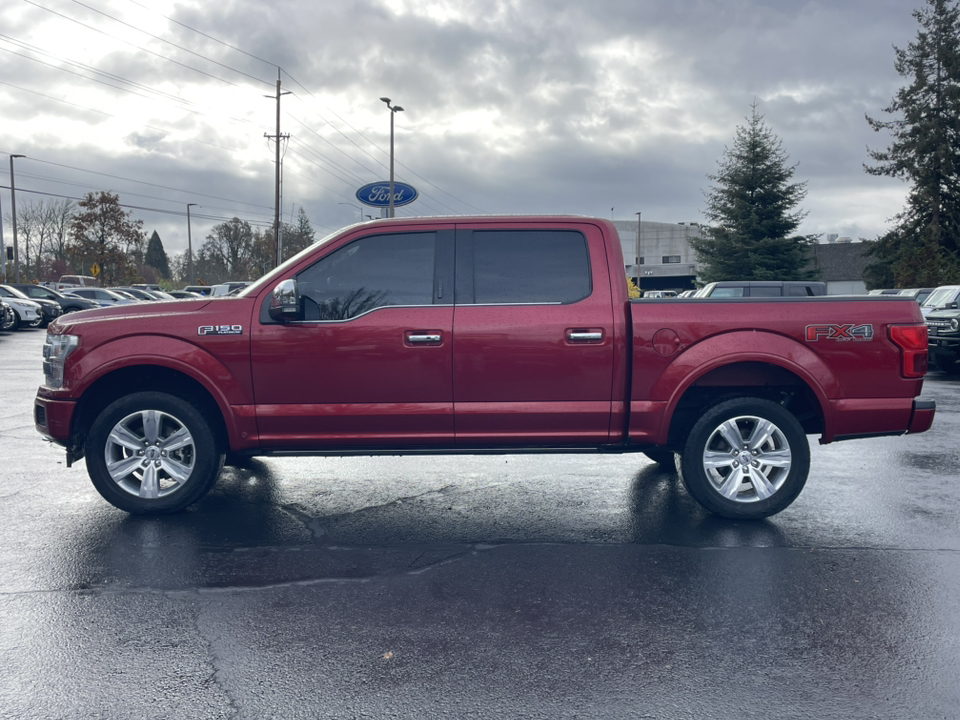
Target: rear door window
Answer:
pixel 522 267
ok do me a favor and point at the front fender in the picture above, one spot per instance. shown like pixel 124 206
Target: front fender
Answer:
pixel 226 380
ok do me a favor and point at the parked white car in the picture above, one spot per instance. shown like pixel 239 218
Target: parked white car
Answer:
pixel 25 312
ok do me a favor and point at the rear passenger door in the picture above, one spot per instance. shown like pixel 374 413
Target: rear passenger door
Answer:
pixel 533 336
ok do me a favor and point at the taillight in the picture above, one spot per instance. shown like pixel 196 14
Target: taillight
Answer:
pixel 912 341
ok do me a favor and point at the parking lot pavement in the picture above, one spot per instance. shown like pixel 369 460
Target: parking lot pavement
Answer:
pixel 517 586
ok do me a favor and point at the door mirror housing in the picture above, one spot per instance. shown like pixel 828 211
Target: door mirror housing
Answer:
pixel 285 301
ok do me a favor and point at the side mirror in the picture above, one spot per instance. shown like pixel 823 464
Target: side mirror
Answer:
pixel 285 301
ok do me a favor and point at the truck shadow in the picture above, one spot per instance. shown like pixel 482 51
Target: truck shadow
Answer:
pixel 663 512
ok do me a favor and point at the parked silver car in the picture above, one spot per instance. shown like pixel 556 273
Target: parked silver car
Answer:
pixel 25 312
pixel 49 309
pixel 105 298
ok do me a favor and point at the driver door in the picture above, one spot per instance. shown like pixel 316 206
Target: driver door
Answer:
pixel 370 362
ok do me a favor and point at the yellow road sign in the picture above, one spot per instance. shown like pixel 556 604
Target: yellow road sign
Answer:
pixel 95 270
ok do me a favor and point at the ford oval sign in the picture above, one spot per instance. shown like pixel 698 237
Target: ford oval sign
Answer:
pixel 378 194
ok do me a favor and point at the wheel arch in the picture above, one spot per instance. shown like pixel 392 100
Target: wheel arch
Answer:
pixel 766 365
pixel 146 377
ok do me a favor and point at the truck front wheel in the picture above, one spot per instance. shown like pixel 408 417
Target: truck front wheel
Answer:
pixel 151 453
pixel 746 458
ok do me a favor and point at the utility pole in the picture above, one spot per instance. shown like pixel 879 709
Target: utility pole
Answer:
pixel 192 279
pixel 276 204
pixel 13 212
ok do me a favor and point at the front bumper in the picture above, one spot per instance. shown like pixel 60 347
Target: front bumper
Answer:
pixel 940 346
pixel 28 315
pixel 54 418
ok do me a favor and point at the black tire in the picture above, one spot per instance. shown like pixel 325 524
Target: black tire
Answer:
pixel 951 366
pixel 712 469
pixel 13 323
pixel 666 459
pixel 181 457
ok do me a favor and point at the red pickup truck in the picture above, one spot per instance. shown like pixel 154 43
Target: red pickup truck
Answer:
pixel 476 335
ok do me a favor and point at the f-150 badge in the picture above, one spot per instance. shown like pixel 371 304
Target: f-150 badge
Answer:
pixel 840 333
pixel 220 330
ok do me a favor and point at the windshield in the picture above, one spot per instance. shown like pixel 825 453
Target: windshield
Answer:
pixel 941 296
pixel 35 291
pixel 12 293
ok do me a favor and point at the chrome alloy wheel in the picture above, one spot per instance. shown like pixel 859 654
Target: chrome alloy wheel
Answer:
pixel 747 459
pixel 150 454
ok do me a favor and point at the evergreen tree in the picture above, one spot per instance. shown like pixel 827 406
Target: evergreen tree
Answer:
pixel 922 250
pixel 299 236
pixel 752 215
pixel 156 257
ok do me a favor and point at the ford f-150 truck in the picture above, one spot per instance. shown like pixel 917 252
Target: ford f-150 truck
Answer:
pixel 476 335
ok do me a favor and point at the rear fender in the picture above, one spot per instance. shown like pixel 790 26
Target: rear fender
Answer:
pixel 742 347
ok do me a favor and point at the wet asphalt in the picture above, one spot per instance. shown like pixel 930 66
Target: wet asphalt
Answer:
pixel 566 586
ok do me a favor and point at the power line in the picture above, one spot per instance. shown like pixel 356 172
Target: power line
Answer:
pixel 374 144
pixel 126 193
pixel 179 47
pixel 113 77
pixel 142 182
pixel 232 47
pixel 347 180
pixel 119 79
pixel 178 213
pixel 125 42
pixel 101 112
pixel 199 32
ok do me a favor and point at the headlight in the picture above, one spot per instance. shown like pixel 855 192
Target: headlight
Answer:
pixel 955 324
pixel 56 348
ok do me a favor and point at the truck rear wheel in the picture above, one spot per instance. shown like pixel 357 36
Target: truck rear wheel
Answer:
pixel 746 458
pixel 151 453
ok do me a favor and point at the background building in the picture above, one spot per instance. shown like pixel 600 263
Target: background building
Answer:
pixel 667 262
pixel 841 266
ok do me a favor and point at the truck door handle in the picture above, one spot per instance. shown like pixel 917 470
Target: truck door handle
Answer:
pixel 578 336
pixel 423 338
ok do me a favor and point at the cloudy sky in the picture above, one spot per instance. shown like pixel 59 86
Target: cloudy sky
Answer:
pixel 510 106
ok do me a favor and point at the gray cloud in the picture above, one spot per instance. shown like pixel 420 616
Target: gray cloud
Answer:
pixel 510 106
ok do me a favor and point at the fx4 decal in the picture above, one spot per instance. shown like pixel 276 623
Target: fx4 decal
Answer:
pixel 220 330
pixel 840 333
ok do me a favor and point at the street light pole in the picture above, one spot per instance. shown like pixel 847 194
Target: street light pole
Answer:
pixel 639 256
pixel 13 211
pixel 394 109
pixel 190 246
pixel 3 248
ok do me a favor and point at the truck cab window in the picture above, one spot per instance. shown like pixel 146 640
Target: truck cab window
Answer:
pixel 372 272
pixel 530 266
